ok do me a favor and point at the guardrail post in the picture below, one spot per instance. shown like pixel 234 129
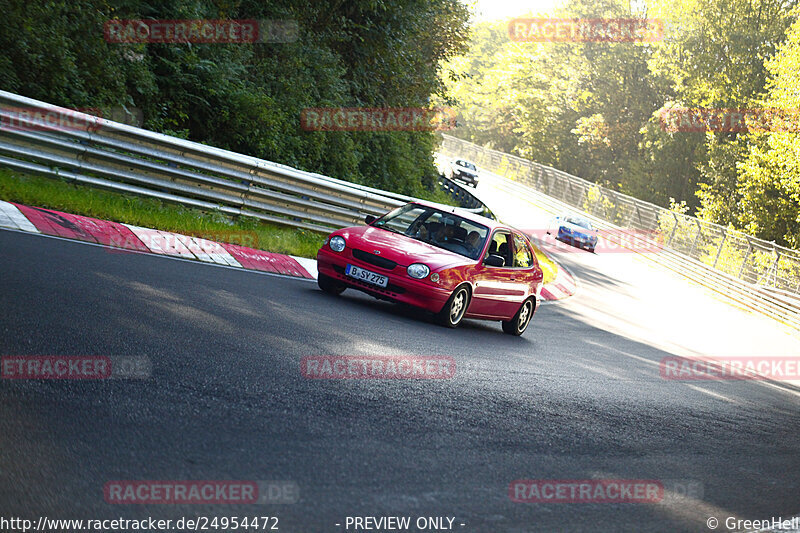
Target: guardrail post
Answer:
pixel 674 229
pixel 696 237
pixel 721 245
pixel 642 224
pixel 746 257
pixel 634 211
pixel 774 267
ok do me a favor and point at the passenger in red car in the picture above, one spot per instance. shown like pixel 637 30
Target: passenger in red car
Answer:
pixel 473 243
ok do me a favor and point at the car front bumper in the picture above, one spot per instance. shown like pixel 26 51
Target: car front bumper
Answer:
pixel 401 288
pixel 466 177
pixel 577 239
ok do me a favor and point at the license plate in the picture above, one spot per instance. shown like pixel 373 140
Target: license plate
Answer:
pixel 366 275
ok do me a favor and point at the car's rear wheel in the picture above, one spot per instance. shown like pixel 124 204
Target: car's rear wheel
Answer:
pixel 518 324
pixel 330 285
pixel 453 311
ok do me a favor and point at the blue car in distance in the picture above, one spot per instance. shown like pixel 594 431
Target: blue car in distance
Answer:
pixel 575 231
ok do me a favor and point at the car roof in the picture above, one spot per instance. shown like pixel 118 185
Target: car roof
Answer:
pixel 472 217
pixel 577 217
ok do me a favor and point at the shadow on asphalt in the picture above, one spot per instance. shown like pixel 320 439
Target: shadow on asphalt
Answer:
pixel 226 400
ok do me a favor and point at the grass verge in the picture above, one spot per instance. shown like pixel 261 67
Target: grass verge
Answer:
pixel 80 200
pixel 549 267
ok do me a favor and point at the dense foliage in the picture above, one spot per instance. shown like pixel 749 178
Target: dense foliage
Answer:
pixel 593 109
pixel 248 97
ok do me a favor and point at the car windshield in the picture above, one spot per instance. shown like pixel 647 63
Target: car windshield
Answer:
pixel 439 228
pixel 467 164
pixel 580 222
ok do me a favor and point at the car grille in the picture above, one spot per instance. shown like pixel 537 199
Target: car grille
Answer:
pixel 373 259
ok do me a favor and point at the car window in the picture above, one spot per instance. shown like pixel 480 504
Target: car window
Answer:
pixel 501 245
pixel 442 229
pixel 522 253
pixel 580 222
pixel 399 220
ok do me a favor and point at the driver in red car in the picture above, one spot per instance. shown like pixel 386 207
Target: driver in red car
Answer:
pixel 473 242
pixel 422 233
pixel 446 231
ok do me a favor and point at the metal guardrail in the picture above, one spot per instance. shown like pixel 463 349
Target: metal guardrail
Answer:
pixel 759 275
pixel 464 197
pixel 458 191
pixel 100 153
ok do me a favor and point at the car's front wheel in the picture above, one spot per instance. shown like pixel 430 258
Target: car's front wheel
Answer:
pixel 453 311
pixel 330 285
pixel 518 324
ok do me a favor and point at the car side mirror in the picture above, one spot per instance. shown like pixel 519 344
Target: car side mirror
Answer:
pixel 494 260
pixel 369 219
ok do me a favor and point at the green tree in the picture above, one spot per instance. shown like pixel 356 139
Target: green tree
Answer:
pixel 769 177
pixel 714 57
pixel 249 97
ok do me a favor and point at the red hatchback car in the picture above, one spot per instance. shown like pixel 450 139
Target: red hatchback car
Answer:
pixel 444 260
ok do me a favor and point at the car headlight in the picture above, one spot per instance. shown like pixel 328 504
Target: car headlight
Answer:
pixel 336 243
pixel 418 270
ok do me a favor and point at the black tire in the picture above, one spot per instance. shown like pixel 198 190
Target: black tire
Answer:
pixel 330 285
pixel 517 325
pixel 453 311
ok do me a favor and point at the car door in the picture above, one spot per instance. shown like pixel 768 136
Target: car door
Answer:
pixel 494 291
pixel 527 269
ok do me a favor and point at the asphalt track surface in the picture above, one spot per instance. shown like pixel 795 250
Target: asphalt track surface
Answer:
pixel 579 396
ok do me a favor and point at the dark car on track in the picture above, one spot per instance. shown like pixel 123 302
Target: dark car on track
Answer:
pixel 450 262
